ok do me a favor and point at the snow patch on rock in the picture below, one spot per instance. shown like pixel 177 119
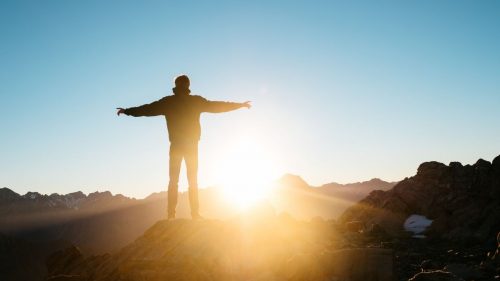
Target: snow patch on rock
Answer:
pixel 417 224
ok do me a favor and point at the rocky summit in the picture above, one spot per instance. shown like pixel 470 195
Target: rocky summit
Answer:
pixel 262 246
pixel 246 248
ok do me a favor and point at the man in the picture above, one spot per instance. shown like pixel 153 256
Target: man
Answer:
pixel 182 112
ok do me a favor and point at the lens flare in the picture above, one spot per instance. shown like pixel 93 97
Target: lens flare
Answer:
pixel 245 174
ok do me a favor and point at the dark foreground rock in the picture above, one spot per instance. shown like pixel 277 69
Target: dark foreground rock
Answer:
pixel 462 201
pixel 413 256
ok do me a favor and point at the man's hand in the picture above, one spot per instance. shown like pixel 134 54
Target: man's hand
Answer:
pixel 120 111
pixel 246 104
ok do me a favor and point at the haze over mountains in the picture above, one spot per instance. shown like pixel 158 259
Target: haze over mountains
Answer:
pixel 360 222
pixel 34 225
pixel 101 222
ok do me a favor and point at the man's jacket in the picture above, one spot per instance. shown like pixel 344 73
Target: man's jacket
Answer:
pixel 182 113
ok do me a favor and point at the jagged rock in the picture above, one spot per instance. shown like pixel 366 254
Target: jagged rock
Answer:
pixel 431 170
pixel 463 201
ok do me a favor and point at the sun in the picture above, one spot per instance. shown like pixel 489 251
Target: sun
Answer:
pixel 245 173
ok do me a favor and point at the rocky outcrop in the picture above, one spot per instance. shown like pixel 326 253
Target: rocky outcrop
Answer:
pixel 256 248
pixel 463 202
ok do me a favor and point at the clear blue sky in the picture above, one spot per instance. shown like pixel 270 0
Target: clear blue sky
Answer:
pixel 342 90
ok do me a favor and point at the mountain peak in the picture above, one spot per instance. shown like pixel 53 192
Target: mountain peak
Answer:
pixel 77 194
pixel 372 183
pixel 100 195
pixel 375 180
pixel 32 195
pixel 290 180
pixel 431 169
pixel 7 194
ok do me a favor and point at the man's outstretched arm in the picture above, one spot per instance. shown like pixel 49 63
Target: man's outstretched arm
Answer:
pixel 223 106
pixel 151 109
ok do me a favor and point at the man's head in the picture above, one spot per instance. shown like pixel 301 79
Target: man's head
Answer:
pixel 181 85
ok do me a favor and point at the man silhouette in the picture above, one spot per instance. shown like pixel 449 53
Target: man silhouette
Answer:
pixel 182 112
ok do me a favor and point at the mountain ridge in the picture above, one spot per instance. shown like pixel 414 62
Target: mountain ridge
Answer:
pixel 6 192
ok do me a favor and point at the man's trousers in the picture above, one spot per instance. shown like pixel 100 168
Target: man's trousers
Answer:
pixel 187 150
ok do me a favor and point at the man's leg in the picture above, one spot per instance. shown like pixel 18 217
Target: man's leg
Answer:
pixel 191 158
pixel 174 170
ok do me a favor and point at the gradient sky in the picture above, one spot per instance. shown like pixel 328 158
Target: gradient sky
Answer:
pixel 342 90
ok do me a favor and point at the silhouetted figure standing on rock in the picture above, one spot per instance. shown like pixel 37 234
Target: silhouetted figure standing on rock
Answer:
pixel 182 112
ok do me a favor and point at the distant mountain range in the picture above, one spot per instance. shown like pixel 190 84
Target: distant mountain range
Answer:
pixel 34 225
pixel 101 222
pixel 294 196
